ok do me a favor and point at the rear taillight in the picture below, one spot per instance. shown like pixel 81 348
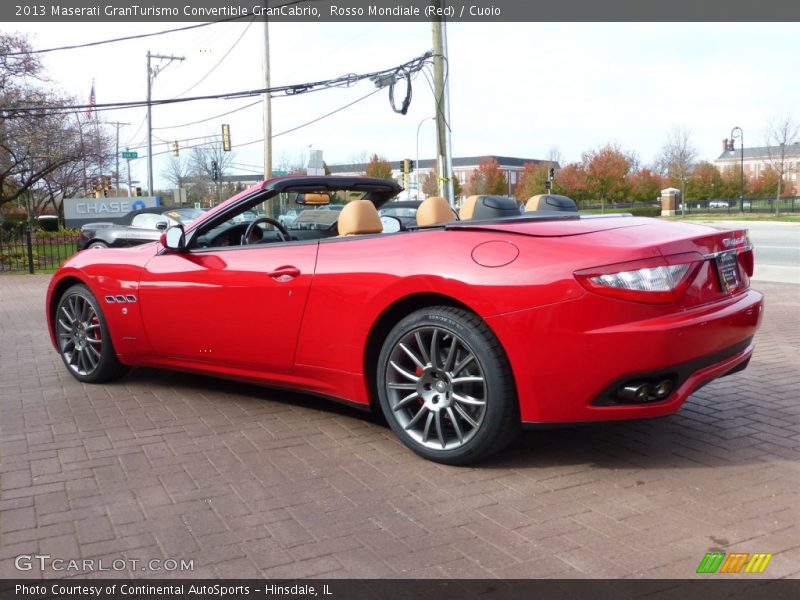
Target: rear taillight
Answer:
pixel 745 257
pixel 659 280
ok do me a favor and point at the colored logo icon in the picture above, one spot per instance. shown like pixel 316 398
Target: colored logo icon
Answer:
pixel 735 562
pixel 137 205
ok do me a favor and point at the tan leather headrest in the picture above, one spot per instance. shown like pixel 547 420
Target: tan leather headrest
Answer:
pixel 468 208
pixel 534 203
pixel 434 211
pixel 359 216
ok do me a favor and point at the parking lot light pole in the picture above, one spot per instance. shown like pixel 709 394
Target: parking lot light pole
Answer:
pixel 736 133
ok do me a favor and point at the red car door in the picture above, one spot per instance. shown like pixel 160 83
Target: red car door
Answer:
pixel 237 307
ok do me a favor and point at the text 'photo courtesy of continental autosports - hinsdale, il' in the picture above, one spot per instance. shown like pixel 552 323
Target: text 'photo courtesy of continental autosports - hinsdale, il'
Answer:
pixel 461 329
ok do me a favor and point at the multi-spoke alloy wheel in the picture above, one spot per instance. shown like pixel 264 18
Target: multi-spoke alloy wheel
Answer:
pixel 436 387
pixel 445 386
pixel 83 339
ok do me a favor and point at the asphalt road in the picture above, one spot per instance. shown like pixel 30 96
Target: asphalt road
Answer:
pixel 777 249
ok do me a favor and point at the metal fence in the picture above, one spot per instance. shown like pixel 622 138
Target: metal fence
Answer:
pixel 751 205
pixel 713 206
pixel 23 250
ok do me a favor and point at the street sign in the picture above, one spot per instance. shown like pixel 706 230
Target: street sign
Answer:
pixel 131 154
pixel 278 172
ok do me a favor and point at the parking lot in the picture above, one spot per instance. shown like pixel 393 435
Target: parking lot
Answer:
pixel 251 482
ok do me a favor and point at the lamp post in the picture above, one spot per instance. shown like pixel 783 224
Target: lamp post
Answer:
pixel 737 134
pixel 417 163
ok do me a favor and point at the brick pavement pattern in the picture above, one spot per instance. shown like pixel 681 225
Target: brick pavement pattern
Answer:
pixel 252 482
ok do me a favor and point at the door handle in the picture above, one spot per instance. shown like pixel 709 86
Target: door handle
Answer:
pixel 284 273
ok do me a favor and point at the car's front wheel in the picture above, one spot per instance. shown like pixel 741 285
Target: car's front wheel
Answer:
pixel 83 338
pixel 445 386
pixel 97 244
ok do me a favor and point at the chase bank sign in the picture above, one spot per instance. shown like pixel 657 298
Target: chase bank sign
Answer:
pixel 79 211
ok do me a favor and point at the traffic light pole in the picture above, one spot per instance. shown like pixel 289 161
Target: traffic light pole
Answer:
pixel 130 189
pixel 117 124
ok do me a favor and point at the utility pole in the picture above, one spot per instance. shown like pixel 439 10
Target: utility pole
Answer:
pixel 267 110
pixel 151 74
pixel 444 159
pixel 117 124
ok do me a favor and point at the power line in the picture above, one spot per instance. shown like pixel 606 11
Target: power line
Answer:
pixel 122 39
pixel 379 77
pixel 250 143
pixel 142 35
pixel 219 62
pixel 230 112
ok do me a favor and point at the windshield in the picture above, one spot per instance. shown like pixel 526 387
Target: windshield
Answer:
pixel 398 211
pixel 184 215
pixel 319 218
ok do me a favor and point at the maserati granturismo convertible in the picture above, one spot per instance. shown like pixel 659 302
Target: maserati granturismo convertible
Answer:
pixel 461 331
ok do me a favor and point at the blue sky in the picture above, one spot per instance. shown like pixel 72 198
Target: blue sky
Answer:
pixel 516 89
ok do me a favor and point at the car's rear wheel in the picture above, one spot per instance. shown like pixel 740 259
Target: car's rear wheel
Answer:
pixel 83 339
pixel 446 388
pixel 95 245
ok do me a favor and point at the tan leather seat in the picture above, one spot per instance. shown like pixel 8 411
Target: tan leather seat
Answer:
pixel 535 203
pixel 468 208
pixel 358 217
pixel 434 211
pixel 550 202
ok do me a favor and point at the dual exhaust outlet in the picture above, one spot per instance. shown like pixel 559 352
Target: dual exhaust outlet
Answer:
pixel 646 391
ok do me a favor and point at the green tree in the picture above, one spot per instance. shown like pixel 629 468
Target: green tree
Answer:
pixel 645 185
pixel 705 182
pixel 607 173
pixel 379 167
pixel 571 181
pixel 730 183
pixel 532 181
pixel 487 179
pixel 37 145
pixel 430 185
pixel 766 183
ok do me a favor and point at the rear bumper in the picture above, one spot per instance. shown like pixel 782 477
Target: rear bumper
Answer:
pixel 566 367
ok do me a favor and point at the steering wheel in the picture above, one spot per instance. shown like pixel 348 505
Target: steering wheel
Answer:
pixel 282 232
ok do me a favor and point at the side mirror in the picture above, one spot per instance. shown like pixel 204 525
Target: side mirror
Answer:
pixel 174 238
pixel 162 225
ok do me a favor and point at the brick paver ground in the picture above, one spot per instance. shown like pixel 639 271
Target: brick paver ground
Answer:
pixel 254 482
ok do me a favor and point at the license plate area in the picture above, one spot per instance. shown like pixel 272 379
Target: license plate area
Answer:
pixel 728 272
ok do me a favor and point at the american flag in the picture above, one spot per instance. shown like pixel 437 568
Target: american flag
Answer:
pixel 92 102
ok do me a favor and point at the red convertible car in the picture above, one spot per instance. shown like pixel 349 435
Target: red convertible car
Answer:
pixel 461 331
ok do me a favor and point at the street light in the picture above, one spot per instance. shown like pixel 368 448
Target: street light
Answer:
pixel 740 137
pixel 417 163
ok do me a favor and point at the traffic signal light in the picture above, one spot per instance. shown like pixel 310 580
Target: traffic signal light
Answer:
pixel 408 165
pixel 214 170
pixel 552 173
pixel 226 138
pixel 138 191
pixel 175 148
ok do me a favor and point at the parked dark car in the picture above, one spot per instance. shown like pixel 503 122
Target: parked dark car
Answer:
pixel 137 227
